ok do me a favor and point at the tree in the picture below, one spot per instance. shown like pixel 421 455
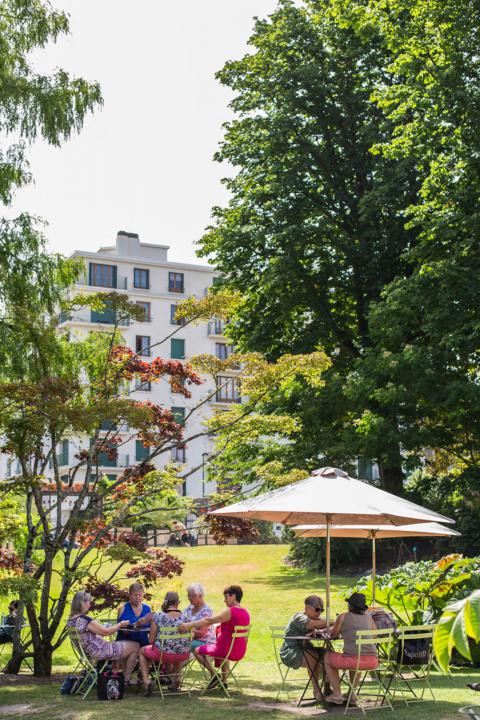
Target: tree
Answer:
pixel 31 106
pixel 315 227
pixel 424 360
pixel 78 388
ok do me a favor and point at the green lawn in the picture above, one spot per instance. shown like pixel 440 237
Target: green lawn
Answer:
pixel 273 592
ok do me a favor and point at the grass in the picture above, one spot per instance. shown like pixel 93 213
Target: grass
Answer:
pixel 273 592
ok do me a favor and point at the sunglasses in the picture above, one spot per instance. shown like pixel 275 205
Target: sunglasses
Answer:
pixel 318 609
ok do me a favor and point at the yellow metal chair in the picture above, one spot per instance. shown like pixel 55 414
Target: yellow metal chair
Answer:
pixel 225 665
pixel 90 667
pixel 412 663
pixel 165 635
pixel 368 689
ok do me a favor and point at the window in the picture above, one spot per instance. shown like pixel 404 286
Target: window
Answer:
pixel 173 321
pixel 141 278
pixel 223 351
pixel 103 275
pixel 108 425
pixel 175 282
pixel 179 454
pixel 141 452
pixel 228 389
pixel 178 414
pixel 62 457
pixel 144 386
pixel 146 307
pixel 177 349
pixel 216 326
pixel 142 345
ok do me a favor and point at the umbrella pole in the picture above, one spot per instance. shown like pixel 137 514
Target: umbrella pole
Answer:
pixel 327 570
pixel 374 567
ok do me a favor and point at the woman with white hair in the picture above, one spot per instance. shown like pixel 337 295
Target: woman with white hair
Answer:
pixel 92 633
pixel 198 610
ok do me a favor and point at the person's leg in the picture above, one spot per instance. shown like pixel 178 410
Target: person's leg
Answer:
pixel 176 674
pixel 129 657
pixel 202 659
pixel 333 678
pixel 144 667
pixel 311 662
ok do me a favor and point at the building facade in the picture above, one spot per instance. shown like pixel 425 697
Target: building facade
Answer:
pixel 143 272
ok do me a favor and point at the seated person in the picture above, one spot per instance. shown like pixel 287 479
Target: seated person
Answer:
pixel 197 610
pixel 233 615
pixel 172 653
pixel 92 633
pixel 346 626
pixel 8 626
pixel 300 653
pixel 137 613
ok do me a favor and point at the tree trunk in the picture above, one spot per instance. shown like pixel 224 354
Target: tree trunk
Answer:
pixel 15 663
pixel 391 475
pixel 42 660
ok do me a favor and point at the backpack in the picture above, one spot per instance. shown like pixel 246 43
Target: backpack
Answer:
pixel 414 652
pixel 110 685
pixel 70 684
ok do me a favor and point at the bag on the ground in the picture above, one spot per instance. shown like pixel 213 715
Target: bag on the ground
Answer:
pixel 110 685
pixel 70 684
pixel 414 652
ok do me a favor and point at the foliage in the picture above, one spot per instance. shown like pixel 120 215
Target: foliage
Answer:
pixel 418 593
pixel 314 230
pixel 459 622
pixel 309 553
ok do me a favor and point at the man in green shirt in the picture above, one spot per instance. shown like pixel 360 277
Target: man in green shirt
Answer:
pixel 297 653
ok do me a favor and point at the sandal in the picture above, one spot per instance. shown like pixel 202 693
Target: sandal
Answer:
pixel 334 700
pixel 148 690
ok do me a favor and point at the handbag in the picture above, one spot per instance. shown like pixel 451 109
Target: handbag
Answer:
pixel 414 651
pixel 110 685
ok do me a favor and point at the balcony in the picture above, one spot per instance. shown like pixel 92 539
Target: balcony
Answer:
pixel 121 461
pixel 121 283
pixel 103 318
pixel 216 327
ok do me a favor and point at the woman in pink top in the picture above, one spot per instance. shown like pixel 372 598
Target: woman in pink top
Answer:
pixel 233 615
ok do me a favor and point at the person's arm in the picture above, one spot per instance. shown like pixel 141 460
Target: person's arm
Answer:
pixel 120 610
pixel 222 617
pixel 97 629
pixel 145 620
pixel 316 624
pixel 337 628
pixel 152 635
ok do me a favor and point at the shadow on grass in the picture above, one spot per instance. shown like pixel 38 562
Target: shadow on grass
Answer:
pixel 290 579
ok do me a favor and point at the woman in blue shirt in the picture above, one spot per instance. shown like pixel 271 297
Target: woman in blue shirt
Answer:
pixel 137 613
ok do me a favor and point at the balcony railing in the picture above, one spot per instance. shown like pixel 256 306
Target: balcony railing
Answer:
pixel 121 283
pixel 216 327
pixel 119 461
pixel 94 317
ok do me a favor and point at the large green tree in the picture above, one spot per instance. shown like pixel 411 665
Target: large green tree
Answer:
pixel 32 105
pixel 315 228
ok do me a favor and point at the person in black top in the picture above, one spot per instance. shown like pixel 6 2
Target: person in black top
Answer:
pixel 8 625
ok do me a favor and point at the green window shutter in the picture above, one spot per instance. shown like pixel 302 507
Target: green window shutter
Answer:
pixel 178 414
pixel 177 349
pixel 141 452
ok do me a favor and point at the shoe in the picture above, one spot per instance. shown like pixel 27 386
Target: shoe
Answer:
pixel 174 689
pixel 353 700
pixel 334 700
pixel 148 690
pixel 214 682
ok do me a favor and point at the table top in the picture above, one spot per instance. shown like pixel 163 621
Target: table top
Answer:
pixel 306 637
pixel 134 630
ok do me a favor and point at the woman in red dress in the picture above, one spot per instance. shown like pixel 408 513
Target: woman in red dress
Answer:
pixel 233 615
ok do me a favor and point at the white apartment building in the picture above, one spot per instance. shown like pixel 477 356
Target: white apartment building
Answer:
pixel 143 272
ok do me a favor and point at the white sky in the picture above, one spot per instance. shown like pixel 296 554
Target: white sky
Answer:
pixel 144 162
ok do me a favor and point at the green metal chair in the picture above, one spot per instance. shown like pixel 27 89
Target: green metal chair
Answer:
pixel 278 634
pixel 25 635
pixel 165 635
pixel 410 677
pixel 368 689
pixel 225 665
pixel 90 667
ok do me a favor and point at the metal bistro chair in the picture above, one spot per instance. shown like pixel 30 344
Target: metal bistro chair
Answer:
pixel 370 684
pixel 225 664
pixel 164 635
pixel 473 711
pixel 410 668
pixel 278 634
pixel 25 635
pixel 91 668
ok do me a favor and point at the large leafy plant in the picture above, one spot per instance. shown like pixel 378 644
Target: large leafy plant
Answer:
pixel 457 628
pixel 420 592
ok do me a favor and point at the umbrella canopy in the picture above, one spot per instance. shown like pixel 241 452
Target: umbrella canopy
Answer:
pixel 373 533
pixel 378 531
pixel 330 496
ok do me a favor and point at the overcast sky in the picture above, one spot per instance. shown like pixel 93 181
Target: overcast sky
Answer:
pixel 142 163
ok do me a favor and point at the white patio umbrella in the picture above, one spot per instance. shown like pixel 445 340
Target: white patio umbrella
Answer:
pixel 374 533
pixel 329 496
